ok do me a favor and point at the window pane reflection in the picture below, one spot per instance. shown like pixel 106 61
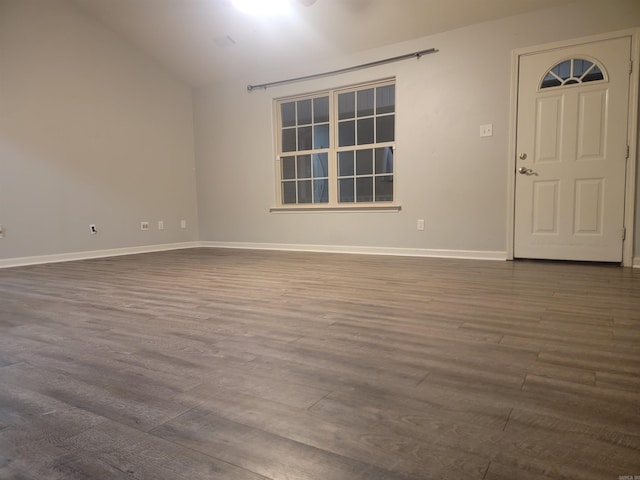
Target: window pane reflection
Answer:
pixel 320 109
pixel 304 191
pixel 364 189
pixel 320 165
pixel 384 189
pixel 321 191
pixel 288 114
pixel 365 102
pixel 304 138
pixel 593 75
pixel 347 133
pixel 304 112
pixel 563 70
pixel 385 128
pixel 289 140
pixel 288 168
pixel 346 191
pixel 288 192
pixel 364 162
pixel 345 163
pixel 304 166
pixel 321 136
pixel 385 99
pixel 346 105
pixel 365 131
pixel 384 160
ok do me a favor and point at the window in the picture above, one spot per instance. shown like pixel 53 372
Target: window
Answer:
pixel 571 72
pixel 336 149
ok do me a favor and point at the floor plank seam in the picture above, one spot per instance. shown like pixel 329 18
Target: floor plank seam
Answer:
pixel 422 380
pixel 524 381
pixel 177 444
pixel 486 471
pixel 151 431
pixel 504 428
pixel 267 432
pixel 310 408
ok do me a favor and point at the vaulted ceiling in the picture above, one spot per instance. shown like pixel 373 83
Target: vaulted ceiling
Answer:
pixel 202 41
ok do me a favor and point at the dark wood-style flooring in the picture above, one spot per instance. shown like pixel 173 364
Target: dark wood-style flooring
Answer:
pixel 244 365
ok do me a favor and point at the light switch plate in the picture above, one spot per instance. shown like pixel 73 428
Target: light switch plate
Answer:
pixel 486 130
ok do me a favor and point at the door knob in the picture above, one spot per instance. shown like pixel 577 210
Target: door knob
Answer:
pixel 526 171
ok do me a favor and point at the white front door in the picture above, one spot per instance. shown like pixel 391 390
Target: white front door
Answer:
pixel 573 106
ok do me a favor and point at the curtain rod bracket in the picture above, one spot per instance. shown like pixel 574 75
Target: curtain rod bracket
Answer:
pixel 417 55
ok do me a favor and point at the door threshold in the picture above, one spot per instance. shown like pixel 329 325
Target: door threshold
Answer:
pixel 567 262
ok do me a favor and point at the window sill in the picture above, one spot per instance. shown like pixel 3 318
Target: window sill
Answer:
pixel 339 208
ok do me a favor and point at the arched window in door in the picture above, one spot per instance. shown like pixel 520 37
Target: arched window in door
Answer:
pixel 571 72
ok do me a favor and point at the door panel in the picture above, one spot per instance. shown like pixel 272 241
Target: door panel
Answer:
pixel 571 141
pixel 545 208
pixel 589 206
pixel 550 116
pixel 592 125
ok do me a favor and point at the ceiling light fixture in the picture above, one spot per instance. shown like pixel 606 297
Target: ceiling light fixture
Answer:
pixel 263 7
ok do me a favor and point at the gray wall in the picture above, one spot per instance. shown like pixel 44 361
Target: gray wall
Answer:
pixel 90 132
pixel 93 132
pixel 446 173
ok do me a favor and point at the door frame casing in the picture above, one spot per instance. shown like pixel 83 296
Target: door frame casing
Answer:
pixel 632 134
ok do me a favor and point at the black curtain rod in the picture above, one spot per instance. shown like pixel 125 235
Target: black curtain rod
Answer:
pixel 417 55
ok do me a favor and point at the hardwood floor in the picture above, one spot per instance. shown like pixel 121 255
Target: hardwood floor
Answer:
pixel 223 364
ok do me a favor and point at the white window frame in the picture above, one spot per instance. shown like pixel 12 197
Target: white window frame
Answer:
pixel 332 151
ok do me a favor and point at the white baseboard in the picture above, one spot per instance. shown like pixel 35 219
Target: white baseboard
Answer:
pixel 405 252
pixel 115 252
pixel 636 262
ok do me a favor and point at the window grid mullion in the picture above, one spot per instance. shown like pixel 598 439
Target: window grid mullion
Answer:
pixel 333 156
pixel 331 175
